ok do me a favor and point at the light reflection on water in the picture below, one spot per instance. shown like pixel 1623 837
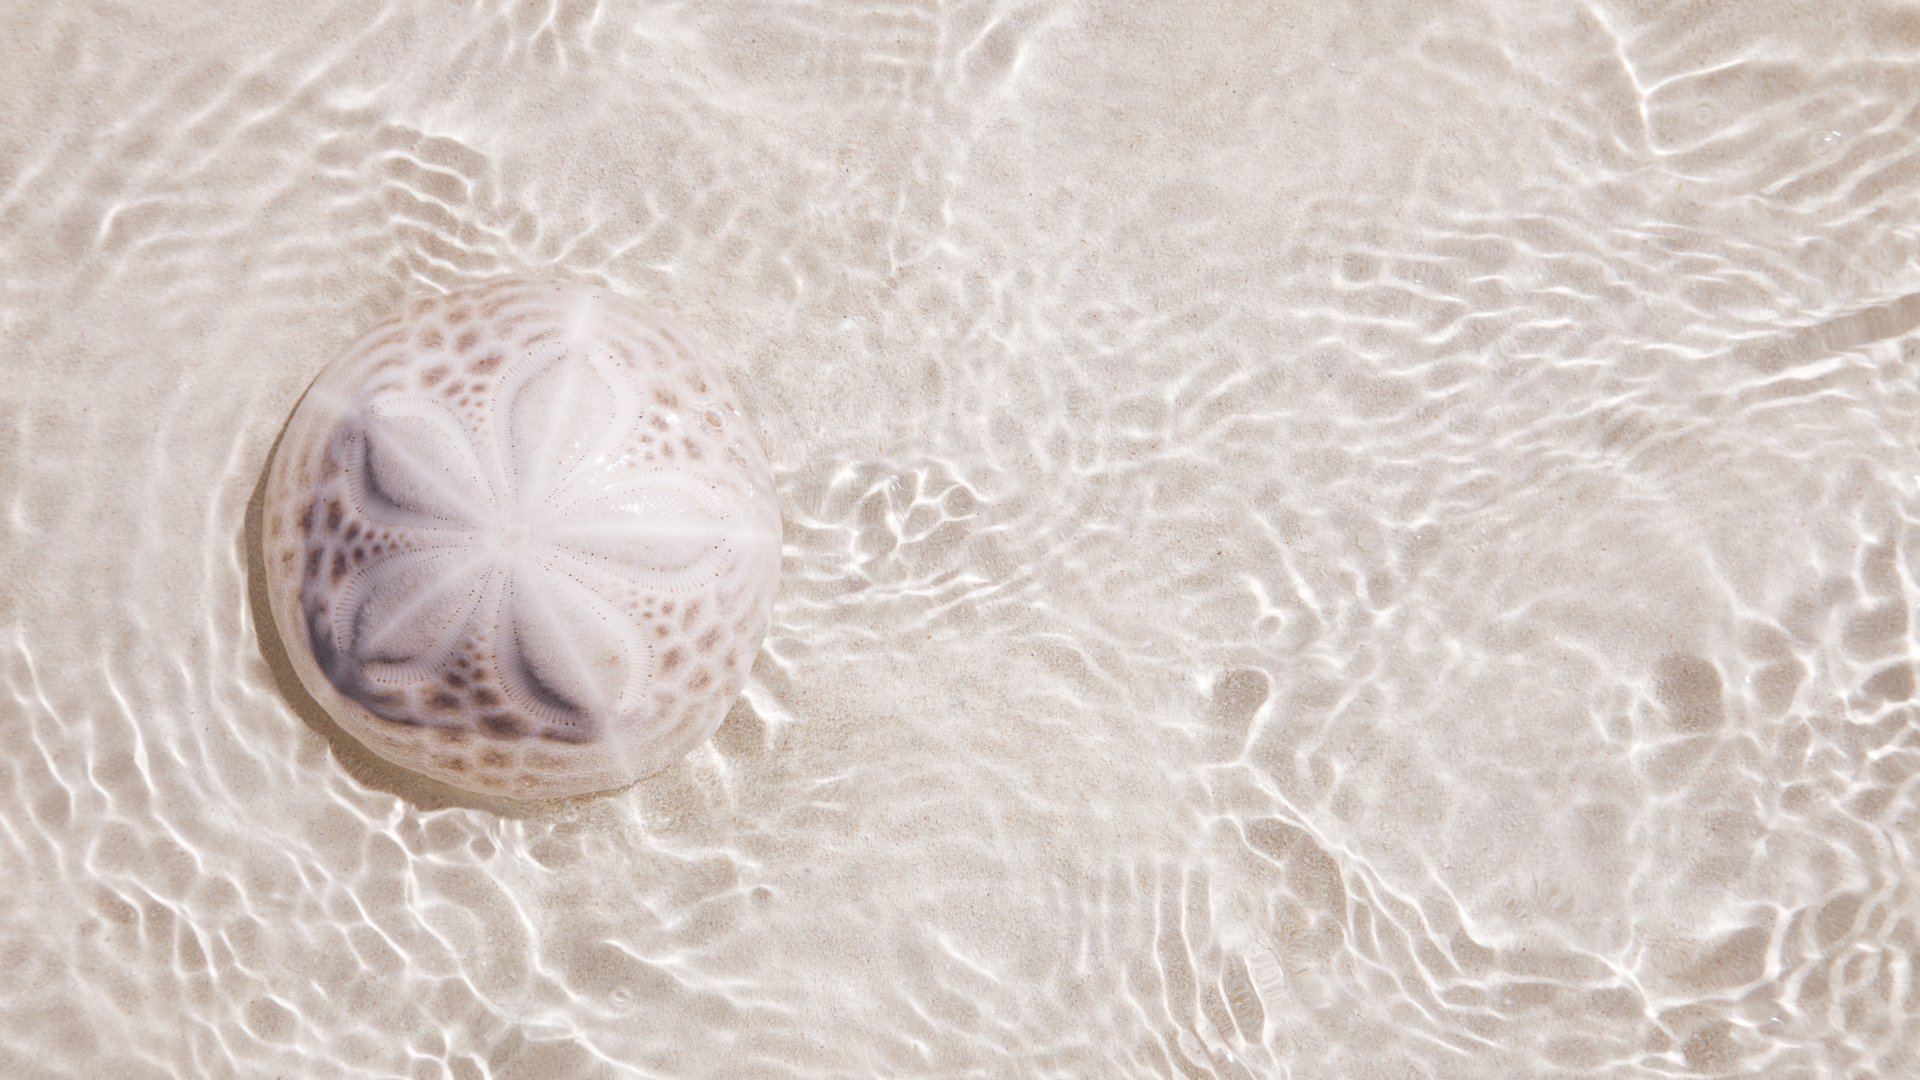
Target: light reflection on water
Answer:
pixel 1338 542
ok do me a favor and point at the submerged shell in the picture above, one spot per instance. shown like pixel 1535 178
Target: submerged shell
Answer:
pixel 521 538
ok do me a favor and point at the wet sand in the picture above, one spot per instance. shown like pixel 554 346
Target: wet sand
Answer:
pixel 1360 541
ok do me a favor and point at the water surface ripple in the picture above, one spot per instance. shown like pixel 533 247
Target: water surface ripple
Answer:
pixel 1353 540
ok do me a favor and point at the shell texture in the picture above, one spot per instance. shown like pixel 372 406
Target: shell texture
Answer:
pixel 521 538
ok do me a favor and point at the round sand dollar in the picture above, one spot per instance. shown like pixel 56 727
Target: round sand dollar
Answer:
pixel 520 538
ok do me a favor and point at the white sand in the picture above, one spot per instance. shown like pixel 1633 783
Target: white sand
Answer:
pixel 1321 542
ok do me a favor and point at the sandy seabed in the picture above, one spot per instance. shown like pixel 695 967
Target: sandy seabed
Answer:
pixel 1321 541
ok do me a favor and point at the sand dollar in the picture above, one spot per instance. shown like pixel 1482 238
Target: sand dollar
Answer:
pixel 521 538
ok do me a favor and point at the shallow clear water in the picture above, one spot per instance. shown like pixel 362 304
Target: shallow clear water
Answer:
pixel 1337 541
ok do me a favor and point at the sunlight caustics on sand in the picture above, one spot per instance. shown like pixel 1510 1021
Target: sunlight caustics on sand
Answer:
pixel 1318 542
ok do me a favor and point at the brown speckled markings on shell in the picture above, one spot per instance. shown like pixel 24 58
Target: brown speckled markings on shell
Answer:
pixel 521 538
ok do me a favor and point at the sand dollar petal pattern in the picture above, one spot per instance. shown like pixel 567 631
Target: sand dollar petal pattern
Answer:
pixel 509 548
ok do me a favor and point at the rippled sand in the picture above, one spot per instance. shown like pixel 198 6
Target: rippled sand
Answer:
pixel 1321 542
